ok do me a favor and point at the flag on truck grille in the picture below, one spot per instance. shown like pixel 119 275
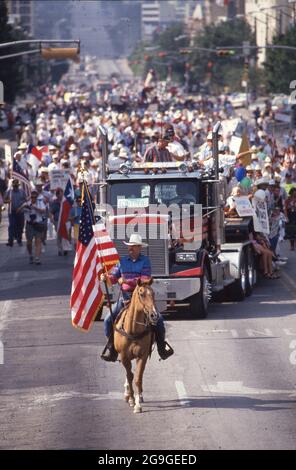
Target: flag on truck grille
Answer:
pixel 106 248
pixel 19 174
pixel 86 296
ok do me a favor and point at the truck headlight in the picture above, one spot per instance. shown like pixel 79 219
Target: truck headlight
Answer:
pixel 184 257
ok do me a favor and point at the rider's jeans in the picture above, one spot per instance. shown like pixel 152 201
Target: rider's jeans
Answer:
pixel 116 308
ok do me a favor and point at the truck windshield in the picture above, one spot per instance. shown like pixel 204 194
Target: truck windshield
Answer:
pixel 131 195
pixel 175 192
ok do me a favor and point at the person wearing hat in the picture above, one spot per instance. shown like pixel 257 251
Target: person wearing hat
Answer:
pixel 15 197
pixel 177 146
pixel 55 164
pixel 158 151
pixel 127 273
pixel 34 210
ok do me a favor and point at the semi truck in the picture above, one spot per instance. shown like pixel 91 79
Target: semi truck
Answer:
pixel 196 254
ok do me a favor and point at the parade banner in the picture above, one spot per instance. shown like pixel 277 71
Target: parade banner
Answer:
pixel 58 179
pixel 260 217
pixel 243 206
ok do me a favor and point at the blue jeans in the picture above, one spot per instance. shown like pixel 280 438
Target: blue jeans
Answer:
pixel 16 226
pixel 116 308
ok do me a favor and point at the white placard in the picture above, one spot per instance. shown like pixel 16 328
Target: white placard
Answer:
pixel 260 217
pixel 58 179
pixel 123 203
pixel 8 154
pixel 243 206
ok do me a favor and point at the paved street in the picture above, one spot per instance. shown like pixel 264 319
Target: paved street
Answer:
pixel 230 385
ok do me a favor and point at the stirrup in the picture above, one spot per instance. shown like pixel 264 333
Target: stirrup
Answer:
pixel 166 351
pixel 109 353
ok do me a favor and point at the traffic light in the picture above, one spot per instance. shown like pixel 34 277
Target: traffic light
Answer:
pixel 225 52
pixel 72 53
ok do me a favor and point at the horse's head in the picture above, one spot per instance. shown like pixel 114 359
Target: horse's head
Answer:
pixel 146 298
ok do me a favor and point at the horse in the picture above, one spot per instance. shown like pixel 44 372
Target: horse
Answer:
pixel 134 337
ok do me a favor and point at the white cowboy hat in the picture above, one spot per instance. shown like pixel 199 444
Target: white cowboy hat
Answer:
pixel 135 239
pixel 22 146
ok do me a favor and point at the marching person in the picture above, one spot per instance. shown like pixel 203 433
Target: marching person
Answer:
pixel 34 210
pixel 15 198
pixel 126 273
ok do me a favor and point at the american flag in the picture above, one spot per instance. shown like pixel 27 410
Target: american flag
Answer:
pixel 106 248
pixel 19 174
pixel 86 296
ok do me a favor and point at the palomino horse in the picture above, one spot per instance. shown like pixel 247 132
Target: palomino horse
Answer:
pixel 133 337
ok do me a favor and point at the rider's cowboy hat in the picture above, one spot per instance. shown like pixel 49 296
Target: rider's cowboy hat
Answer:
pixel 135 239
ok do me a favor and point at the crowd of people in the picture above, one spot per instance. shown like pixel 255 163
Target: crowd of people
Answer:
pixel 144 124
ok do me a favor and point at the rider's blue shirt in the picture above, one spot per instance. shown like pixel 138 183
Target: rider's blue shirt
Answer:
pixel 131 271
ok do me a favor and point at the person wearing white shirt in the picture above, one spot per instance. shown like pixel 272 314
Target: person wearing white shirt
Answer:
pixel 34 211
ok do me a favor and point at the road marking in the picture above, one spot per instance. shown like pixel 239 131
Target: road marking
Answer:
pixel 289 332
pixel 4 309
pixel 181 391
pixel 293 353
pixel 252 333
pixel 237 388
pixel 48 398
pixel 16 275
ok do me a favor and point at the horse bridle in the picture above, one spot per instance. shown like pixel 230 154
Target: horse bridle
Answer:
pixel 146 312
pixel 148 326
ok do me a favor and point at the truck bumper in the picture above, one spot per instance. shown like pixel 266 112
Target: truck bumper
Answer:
pixel 168 289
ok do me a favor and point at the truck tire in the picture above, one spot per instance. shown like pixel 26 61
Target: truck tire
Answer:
pixel 199 302
pixel 238 289
pixel 251 272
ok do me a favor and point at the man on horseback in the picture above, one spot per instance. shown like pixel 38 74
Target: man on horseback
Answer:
pixel 126 273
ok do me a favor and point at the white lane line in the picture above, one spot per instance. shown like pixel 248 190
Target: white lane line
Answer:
pixel 4 309
pixel 237 388
pixel 16 275
pixel 181 391
pixel 8 398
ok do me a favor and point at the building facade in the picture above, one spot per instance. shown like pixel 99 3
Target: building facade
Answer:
pixel 269 18
pixel 21 13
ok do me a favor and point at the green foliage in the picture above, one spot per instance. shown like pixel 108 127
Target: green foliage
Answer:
pixel 280 65
pixel 220 71
pixel 161 54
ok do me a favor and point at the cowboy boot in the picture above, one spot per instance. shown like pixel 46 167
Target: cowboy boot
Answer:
pixel 109 353
pixel 163 348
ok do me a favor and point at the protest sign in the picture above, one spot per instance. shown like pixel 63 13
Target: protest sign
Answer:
pixel 243 206
pixel 260 218
pixel 58 179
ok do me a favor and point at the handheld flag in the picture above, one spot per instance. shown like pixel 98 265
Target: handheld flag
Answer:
pixel 86 296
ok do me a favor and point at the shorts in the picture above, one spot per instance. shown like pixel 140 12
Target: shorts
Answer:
pixel 32 233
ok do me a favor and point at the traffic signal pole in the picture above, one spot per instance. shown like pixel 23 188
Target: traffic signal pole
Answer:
pixel 40 43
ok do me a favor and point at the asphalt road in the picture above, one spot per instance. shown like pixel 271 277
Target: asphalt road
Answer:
pixel 230 385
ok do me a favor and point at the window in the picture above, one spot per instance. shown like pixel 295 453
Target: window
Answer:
pixel 179 192
pixel 130 195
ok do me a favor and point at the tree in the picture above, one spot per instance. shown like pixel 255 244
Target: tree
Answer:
pixel 163 54
pixel 280 64
pixel 10 69
pixel 225 70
